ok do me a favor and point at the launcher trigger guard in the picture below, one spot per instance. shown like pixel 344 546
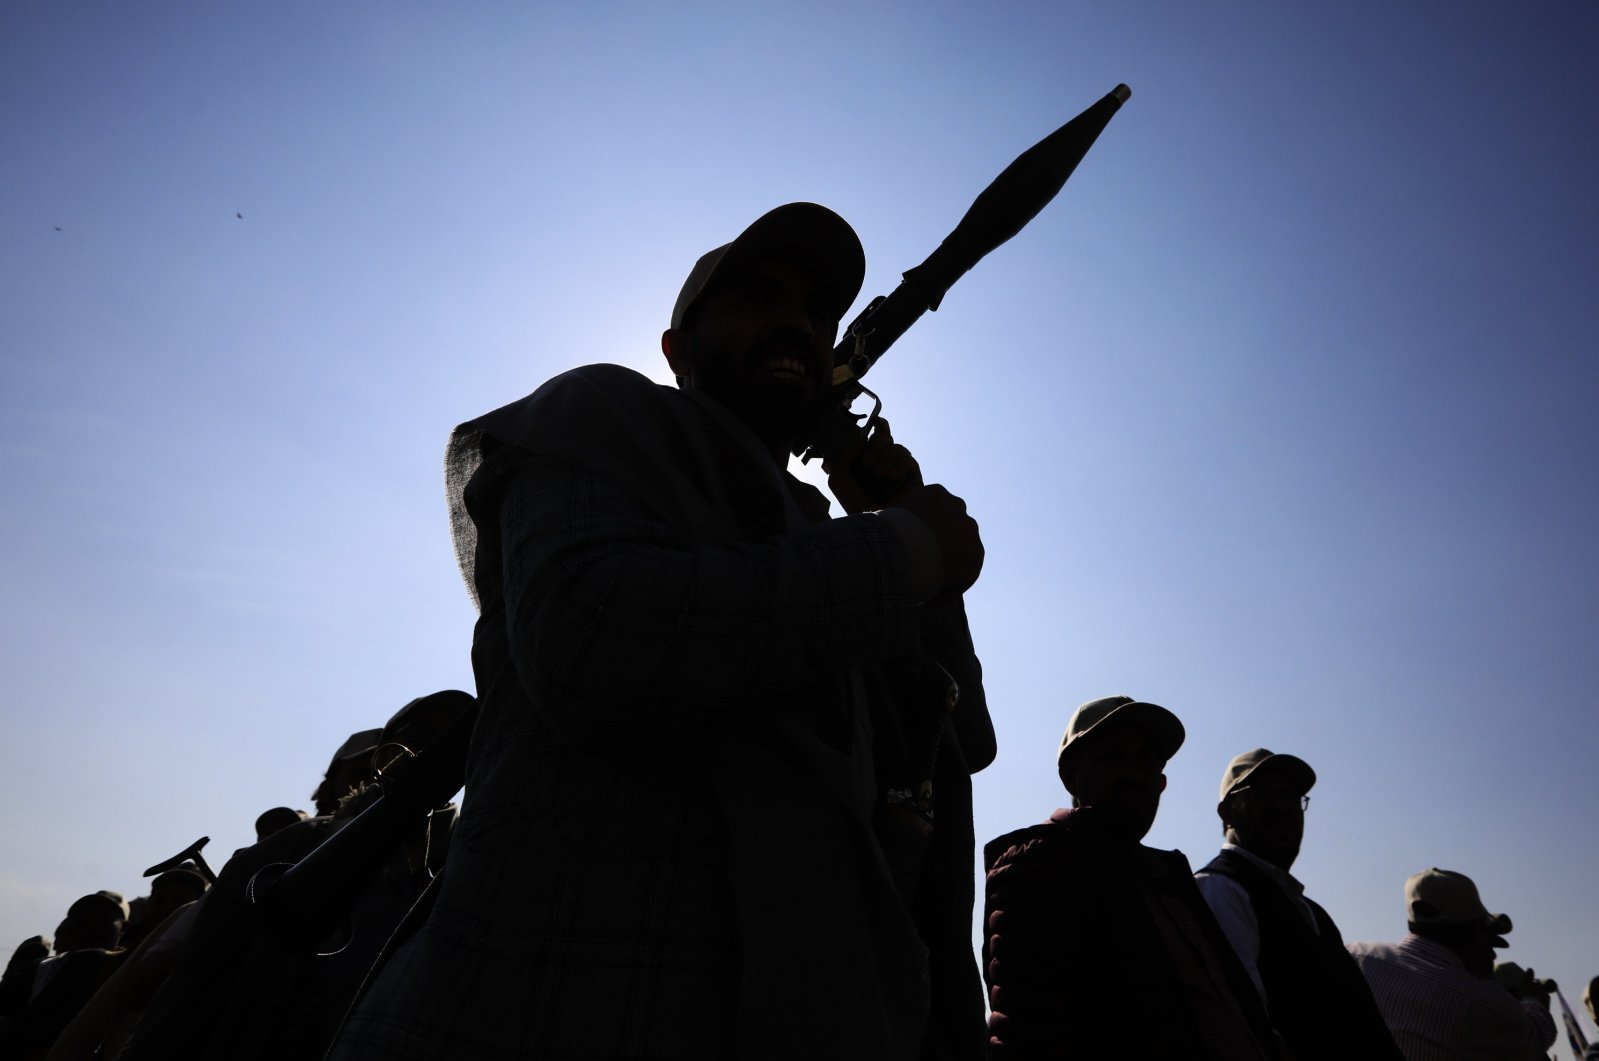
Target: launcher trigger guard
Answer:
pixel 871 417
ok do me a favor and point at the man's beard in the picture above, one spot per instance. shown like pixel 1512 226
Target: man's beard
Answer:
pixel 778 411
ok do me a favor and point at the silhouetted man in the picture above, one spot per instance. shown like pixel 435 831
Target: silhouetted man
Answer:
pixel 1100 947
pixel 85 956
pixel 16 986
pixel 1435 987
pixel 699 713
pixel 1314 994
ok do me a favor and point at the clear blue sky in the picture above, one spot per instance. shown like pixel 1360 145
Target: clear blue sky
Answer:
pixel 1282 415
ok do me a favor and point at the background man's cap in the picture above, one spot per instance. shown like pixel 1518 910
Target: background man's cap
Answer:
pixel 276 819
pixel 99 906
pixel 1443 897
pixel 358 744
pixel 809 236
pixel 1114 711
pixel 1263 762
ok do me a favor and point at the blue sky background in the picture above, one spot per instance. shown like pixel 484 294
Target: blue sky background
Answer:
pixel 1282 415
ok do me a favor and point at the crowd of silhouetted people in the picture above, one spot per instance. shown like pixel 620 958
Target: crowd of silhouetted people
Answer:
pixel 1094 945
pixel 1098 946
pixel 251 961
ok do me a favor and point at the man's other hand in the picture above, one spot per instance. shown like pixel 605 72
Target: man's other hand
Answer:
pixel 1523 983
pixel 956 532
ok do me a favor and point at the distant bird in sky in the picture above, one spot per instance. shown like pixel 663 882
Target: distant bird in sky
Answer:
pixel 58 228
pixel 239 216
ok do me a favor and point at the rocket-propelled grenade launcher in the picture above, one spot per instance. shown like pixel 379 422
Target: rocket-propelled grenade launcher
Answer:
pixel 1002 210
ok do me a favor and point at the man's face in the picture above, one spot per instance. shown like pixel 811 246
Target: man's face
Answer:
pixel 1118 773
pixel 1265 817
pixel 1477 952
pixel 86 933
pixel 761 344
pixel 66 938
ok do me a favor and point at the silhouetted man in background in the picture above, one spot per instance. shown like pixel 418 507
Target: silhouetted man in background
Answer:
pixel 1314 994
pixel 1435 987
pixel 1097 946
pixel 700 707
pixel 86 954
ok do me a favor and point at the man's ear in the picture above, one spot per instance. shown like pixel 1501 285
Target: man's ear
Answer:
pixel 674 344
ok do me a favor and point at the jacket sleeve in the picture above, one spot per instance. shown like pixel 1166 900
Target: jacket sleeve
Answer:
pixel 947 639
pixel 613 621
pixel 1029 948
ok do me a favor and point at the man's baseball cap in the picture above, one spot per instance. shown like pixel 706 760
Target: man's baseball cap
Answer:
pixel 1443 897
pixel 98 907
pixel 809 236
pixel 355 747
pixel 1263 762
pixel 276 820
pixel 1116 711
pixel 358 744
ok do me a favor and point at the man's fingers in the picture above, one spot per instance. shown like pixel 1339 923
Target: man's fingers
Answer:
pixel 895 456
pixel 879 437
pixel 958 536
pixel 894 466
pixel 846 457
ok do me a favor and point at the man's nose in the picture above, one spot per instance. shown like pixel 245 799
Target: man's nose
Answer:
pixel 796 315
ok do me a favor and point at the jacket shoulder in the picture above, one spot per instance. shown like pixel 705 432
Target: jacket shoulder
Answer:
pixel 604 385
pixel 1021 845
pixel 588 390
pixel 607 375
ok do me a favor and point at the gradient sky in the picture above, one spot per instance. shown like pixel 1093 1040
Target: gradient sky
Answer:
pixel 1282 415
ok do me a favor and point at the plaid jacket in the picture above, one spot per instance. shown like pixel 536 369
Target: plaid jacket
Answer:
pixel 665 848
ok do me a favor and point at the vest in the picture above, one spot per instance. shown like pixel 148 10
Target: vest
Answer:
pixel 1316 997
